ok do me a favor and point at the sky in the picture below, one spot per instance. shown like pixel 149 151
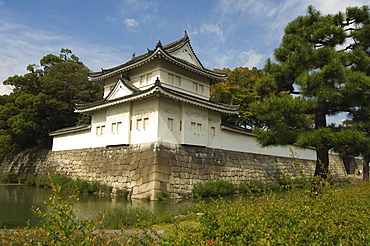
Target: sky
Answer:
pixel 105 33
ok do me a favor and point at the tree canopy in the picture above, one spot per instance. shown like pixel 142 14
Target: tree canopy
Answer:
pixel 318 72
pixel 42 101
pixel 237 90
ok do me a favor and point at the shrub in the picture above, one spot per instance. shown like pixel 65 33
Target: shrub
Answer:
pixel 163 195
pixel 252 186
pixel 9 178
pixel 123 193
pixel 335 217
pixel 132 217
pixel 214 188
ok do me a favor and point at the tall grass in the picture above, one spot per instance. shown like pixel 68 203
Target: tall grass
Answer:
pixel 336 217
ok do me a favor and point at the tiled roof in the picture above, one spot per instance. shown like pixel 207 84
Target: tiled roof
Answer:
pixel 70 129
pixel 157 88
pixel 158 53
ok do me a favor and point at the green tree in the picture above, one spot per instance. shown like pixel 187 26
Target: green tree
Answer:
pixel 357 22
pixel 43 100
pixel 237 90
pixel 310 80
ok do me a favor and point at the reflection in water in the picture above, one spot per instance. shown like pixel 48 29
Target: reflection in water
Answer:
pixel 17 200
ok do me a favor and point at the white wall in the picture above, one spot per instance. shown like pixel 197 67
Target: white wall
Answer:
pixel 144 120
pixel 99 128
pixel 118 124
pixel 77 140
pixel 195 125
pixel 235 141
pixel 169 121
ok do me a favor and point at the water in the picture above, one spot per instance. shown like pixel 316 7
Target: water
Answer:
pixel 16 202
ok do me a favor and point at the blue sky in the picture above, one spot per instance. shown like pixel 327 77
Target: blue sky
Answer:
pixel 105 33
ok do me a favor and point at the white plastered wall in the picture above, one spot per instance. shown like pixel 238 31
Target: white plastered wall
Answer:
pixel 195 125
pixel 76 140
pixel 118 124
pixel 169 121
pixel 144 126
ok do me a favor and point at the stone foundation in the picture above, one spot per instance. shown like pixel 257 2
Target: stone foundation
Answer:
pixel 148 169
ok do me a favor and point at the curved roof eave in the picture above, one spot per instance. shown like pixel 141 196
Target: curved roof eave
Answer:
pixel 158 89
pixel 158 53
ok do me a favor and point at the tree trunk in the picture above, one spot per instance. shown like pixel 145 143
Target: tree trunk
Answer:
pixel 322 150
pixel 322 162
pixel 365 168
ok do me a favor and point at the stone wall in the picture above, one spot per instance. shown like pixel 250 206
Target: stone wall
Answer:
pixel 148 169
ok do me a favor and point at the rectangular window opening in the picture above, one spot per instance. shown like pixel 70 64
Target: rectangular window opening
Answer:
pixel 194 127
pixel 145 123
pixel 199 128
pixel 213 131
pixel 114 128
pixel 139 124
pixel 170 123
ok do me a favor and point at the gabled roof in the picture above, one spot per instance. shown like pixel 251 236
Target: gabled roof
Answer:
pixel 169 52
pixel 158 89
pixel 123 87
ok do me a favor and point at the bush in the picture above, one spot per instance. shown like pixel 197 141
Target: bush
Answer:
pixel 252 186
pixel 336 217
pixel 132 217
pixel 213 188
pixel 163 195
pixel 9 178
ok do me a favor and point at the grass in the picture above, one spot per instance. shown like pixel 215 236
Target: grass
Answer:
pixel 336 217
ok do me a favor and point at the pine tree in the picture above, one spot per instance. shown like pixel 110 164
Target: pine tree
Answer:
pixel 310 80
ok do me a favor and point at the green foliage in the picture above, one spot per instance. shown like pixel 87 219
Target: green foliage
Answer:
pixel 8 178
pixel 237 90
pixel 132 217
pixel 213 188
pixel 43 101
pixel 67 183
pixel 252 186
pixel 337 217
pixel 313 78
pixel 163 195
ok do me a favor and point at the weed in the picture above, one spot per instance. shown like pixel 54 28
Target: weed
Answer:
pixel 8 178
pixel 214 188
pixel 163 195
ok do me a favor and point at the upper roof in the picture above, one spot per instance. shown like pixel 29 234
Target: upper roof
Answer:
pixel 178 52
pixel 158 90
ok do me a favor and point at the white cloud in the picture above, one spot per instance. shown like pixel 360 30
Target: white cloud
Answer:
pixel 250 59
pixel 213 29
pixel 22 45
pixel 334 6
pixel 131 23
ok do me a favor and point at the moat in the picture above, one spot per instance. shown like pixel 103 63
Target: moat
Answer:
pixel 17 200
